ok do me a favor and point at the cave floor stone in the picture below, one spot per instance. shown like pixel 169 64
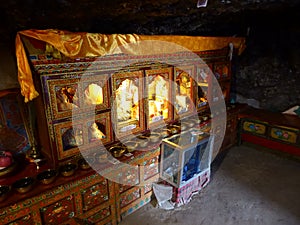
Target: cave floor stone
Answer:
pixel 249 185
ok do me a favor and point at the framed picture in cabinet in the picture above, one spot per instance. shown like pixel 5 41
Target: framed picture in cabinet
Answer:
pixel 69 137
pixel 127 105
pixel 99 129
pixel 203 76
pixel 63 95
pixel 222 70
pixel 184 91
pixel 159 96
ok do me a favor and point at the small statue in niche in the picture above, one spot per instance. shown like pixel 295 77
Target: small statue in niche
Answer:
pixel 181 104
pixel 95 133
pixel 158 98
pixel 65 98
pixel 184 84
pixel 202 97
pixel 72 138
pixel 203 75
pixel 183 92
pixel 127 101
pixel 93 94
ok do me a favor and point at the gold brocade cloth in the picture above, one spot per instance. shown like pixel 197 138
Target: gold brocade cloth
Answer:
pixel 83 44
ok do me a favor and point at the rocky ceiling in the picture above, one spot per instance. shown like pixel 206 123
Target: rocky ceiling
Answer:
pixel 268 70
pixel 219 18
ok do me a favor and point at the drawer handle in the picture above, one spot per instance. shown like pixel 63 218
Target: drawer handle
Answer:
pixel 94 193
pixel 71 215
pixel 26 218
pixel 58 210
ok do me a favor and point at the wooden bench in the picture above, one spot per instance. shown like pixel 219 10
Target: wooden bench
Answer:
pixel 270 129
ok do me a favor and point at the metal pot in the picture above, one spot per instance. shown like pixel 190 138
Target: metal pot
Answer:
pixel 23 185
pixel 130 146
pixel 117 151
pixel 155 137
pixel 47 176
pixel 4 191
pixel 68 169
pixel 143 141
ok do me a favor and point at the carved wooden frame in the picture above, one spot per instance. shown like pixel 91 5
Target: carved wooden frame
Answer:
pixel 167 73
pixel 190 70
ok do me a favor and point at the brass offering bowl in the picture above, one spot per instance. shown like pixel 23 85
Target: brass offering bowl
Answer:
pixel 4 190
pixel 84 163
pixel 23 185
pixel 68 169
pixel 130 146
pixel 117 151
pixel 143 141
pixel 47 176
pixel 154 137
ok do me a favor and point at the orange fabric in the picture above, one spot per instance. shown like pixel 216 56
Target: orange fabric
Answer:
pixel 24 72
pixel 82 44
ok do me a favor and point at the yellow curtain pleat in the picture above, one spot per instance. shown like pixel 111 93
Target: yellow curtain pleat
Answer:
pixel 83 44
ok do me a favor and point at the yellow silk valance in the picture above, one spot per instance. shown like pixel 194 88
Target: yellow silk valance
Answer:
pixel 83 44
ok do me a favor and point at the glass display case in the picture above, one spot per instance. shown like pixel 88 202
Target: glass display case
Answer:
pixel 184 156
pixel 128 107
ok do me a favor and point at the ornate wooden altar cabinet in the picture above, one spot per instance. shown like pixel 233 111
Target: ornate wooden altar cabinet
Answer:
pixel 86 105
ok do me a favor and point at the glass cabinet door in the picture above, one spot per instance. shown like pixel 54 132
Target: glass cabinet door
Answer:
pixel 158 89
pixel 204 74
pixel 184 103
pixel 95 91
pixel 128 109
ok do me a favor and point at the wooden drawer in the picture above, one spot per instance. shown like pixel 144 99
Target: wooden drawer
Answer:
pixel 284 134
pixel 123 188
pixel 59 211
pixel 148 188
pixel 95 195
pixel 129 175
pixel 103 216
pixel 24 220
pixel 130 196
pixel 151 168
pixel 254 127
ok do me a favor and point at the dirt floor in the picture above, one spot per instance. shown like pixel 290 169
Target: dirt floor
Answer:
pixel 249 185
